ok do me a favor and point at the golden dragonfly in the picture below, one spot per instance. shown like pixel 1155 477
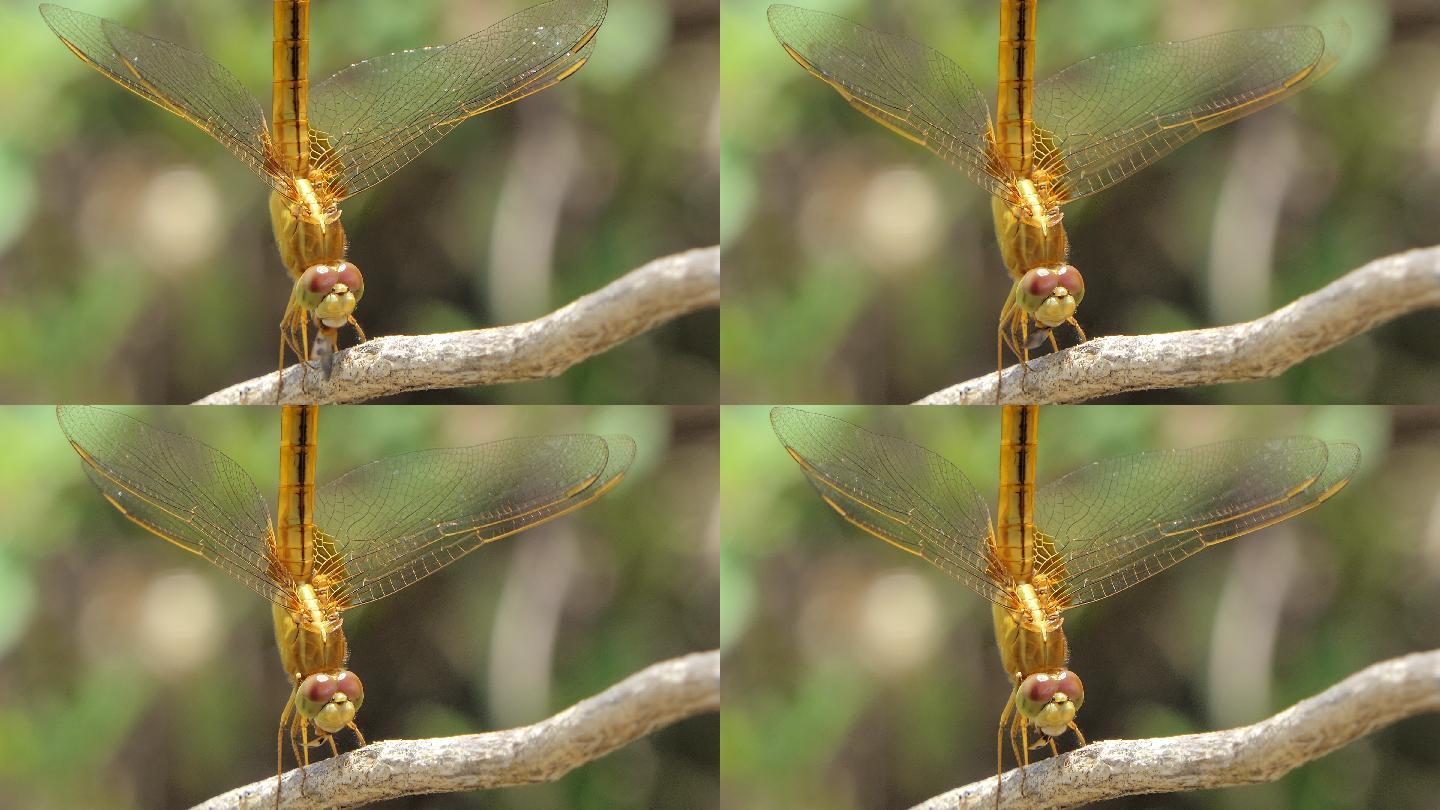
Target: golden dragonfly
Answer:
pixel 1085 536
pixel 324 144
pixel 374 530
pixel 1051 142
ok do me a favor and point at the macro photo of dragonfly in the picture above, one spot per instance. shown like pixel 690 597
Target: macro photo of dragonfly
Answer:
pixel 1080 539
pixel 1056 140
pixel 369 533
pixel 321 145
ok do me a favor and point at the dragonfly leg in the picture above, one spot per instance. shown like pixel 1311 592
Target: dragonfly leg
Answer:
pixel 334 750
pixel 1078 330
pixel 287 340
pixel 1000 744
pixel 1021 730
pixel 1078 735
pixel 1012 320
pixel 361 737
pixel 304 353
pixel 280 739
pixel 361 332
pixel 295 337
pixel 1024 343
pixel 1001 340
pixel 302 752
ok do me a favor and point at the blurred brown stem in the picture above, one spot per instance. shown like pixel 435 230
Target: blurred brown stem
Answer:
pixel 660 291
pixel 1363 703
pixel 649 700
pixel 1378 292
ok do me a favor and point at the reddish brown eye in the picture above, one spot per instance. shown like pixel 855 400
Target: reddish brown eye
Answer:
pixel 349 275
pixel 318 278
pixel 319 688
pixel 1041 687
pixel 1070 278
pixel 1069 683
pixel 349 683
pixel 1040 282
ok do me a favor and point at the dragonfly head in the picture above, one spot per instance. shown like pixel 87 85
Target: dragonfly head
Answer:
pixel 1051 700
pixel 330 291
pixel 330 699
pixel 1051 294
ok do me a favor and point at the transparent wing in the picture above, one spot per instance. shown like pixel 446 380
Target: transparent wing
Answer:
pixel 393 522
pixel 897 491
pixel 182 81
pixel 375 116
pixel 181 490
pixel 911 89
pixel 1111 115
pixel 1118 522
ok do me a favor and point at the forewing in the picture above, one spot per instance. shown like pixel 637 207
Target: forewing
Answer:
pixel 375 116
pixel 395 521
pixel 913 90
pixel 182 81
pixel 1111 115
pixel 1118 522
pixel 895 490
pixel 179 489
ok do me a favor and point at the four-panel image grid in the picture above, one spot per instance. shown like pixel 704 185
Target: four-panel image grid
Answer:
pixel 528 461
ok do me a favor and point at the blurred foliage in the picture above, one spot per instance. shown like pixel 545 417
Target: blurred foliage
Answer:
pixel 859 676
pixel 136 259
pixel 134 675
pixel 859 267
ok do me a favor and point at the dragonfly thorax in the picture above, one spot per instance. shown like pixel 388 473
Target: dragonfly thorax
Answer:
pixel 309 204
pixel 1029 233
pixel 306 233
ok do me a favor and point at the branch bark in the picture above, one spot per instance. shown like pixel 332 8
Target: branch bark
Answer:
pixel 1363 703
pixel 1379 291
pixel 651 699
pixel 660 291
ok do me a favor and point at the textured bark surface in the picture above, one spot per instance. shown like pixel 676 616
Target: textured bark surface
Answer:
pixel 1363 703
pixel 1364 298
pixel 650 699
pixel 637 302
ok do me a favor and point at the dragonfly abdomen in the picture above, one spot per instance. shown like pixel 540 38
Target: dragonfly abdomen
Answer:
pixel 295 546
pixel 1014 548
pixel 289 99
pixel 1014 101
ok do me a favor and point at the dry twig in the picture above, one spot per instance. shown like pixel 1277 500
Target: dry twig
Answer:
pixel 660 291
pixel 1363 703
pixel 651 699
pixel 1378 292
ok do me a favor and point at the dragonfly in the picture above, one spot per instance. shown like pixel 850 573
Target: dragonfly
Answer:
pixel 1079 539
pixel 327 143
pixel 377 529
pixel 1061 139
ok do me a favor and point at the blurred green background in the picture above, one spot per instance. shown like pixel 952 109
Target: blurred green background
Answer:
pixel 135 675
pixel 861 268
pixel 860 676
pixel 136 259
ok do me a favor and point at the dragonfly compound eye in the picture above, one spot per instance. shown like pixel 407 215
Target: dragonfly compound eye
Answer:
pixel 331 291
pixel 1051 699
pixel 1051 294
pixel 327 699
